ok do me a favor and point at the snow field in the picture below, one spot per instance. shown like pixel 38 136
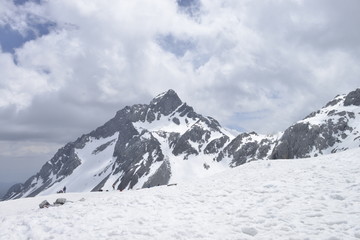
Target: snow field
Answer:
pixel 315 198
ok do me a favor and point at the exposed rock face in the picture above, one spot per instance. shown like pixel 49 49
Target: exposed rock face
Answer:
pixel 160 177
pixel 215 145
pixel 166 103
pixel 297 142
pixel 353 98
pixel 132 161
pixel 247 147
pixel 166 141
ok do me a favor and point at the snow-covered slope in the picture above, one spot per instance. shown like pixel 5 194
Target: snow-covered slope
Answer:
pixel 314 198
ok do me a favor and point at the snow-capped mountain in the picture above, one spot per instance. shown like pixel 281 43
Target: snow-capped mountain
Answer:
pixel 144 145
pixel 333 128
pixel 166 141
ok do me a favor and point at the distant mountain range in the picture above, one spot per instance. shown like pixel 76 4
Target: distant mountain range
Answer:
pixel 166 141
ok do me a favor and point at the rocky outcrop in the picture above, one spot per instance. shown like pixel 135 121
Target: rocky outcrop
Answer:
pixel 136 157
pixel 160 177
pixel 353 98
pixel 247 147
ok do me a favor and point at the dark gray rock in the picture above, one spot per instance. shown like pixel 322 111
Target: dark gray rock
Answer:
pixel 126 133
pixel 341 114
pixel 137 113
pixel 195 134
pixel 176 121
pixel 351 115
pixel 167 103
pixel 160 177
pixel 126 116
pixel 330 113
pixel 245 148
pixel 246 152
pixel 212 123
pixel 135 158
pixel 334 102
pixel 353 98
pixel 206 166
pixel 44 204
pixel 216 145
pixel 60 201
pixel 296 142
pixel 199 134
pixel 185 110
pixel 173 139
pixel 264 149
pixel 301 139
pixel 150 116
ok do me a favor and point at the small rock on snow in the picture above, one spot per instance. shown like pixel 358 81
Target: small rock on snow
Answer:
pixel 249 231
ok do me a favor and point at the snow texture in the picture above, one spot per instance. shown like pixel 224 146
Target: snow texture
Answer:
pixel 314 198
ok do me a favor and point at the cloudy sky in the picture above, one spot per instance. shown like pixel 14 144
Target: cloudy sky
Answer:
pixel 67 66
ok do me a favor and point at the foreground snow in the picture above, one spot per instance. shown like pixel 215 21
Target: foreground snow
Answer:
pixel 317 198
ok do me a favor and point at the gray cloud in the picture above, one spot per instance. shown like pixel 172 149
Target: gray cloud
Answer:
pixel 252 65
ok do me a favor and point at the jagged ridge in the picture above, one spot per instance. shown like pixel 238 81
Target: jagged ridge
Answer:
pixel 166 141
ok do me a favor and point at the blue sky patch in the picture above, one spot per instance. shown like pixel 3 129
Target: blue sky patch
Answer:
pixel 11 39
pixel 176 46
pixel 21 2
pixel 190 7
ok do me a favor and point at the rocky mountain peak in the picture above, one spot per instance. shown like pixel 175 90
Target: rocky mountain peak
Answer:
pixel 166 102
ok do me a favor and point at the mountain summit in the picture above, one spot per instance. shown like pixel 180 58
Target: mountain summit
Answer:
pixel 166 102
pixel 166 141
